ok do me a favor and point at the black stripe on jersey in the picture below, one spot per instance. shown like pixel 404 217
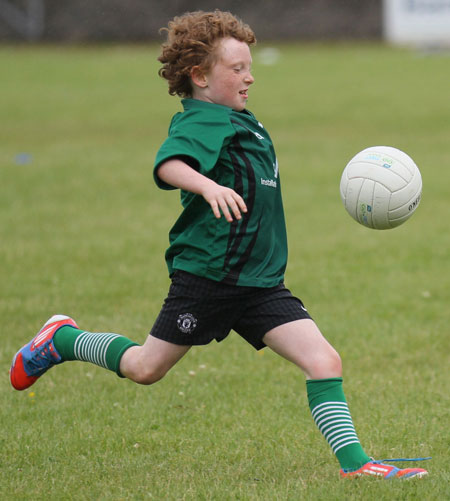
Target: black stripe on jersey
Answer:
pixel 235 237
pixel 233 275
pixel 239 189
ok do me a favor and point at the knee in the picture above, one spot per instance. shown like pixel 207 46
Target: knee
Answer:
pixel 141 369
pixel 149 376
pixel 326 365
pixel 335 363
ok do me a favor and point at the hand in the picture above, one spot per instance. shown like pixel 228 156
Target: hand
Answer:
pixel 177 173
pixel 222 199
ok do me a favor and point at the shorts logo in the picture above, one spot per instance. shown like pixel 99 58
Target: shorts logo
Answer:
pixel 186 322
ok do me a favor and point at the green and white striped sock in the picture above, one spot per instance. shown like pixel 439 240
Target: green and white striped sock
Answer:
pixel 335 423
pixel 100 348
pixel 332 416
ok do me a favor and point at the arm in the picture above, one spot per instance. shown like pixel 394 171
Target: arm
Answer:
pixel 179 174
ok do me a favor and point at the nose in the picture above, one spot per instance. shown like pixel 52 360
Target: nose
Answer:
pixel 249 79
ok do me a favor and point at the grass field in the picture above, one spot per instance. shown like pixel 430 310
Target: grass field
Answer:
pixel 83 230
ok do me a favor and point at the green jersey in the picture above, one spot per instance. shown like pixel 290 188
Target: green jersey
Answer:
pixel 234 150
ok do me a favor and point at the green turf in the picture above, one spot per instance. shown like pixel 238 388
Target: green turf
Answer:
pixel 83 232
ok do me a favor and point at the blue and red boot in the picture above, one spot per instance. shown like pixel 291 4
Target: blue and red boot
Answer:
pixel 386 471
pixel 39 355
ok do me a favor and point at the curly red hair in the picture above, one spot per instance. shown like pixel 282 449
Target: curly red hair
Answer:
pixel 191 41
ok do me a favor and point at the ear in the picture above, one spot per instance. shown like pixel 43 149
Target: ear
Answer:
pixel 198 77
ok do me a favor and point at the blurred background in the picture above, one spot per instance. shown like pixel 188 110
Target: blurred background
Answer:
pixel 77 21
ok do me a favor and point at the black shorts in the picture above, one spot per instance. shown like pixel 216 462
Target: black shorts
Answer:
pixel 198 310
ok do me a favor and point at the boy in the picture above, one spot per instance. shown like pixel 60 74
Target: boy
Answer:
pixel 228 249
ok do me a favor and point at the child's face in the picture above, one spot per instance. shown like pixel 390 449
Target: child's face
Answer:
pixel 228 80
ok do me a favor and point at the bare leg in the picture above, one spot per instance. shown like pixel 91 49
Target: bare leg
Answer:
pixel 148 363
pixel 302 343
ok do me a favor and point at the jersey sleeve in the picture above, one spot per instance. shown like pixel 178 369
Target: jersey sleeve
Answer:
pixel 195 139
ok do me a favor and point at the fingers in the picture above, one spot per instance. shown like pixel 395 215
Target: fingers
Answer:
pixel 241 206
pixel 227 202
pixel 226 212
pixel 235 204
pixel 215 208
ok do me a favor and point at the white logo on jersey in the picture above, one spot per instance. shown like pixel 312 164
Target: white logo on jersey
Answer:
pixel 269 182
pixel 275 168
pixel 257 135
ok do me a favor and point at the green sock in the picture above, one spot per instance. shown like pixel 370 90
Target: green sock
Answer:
pixel 103 349
pixel 332 417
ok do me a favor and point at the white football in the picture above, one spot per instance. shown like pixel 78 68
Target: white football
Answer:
pixel 381 187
